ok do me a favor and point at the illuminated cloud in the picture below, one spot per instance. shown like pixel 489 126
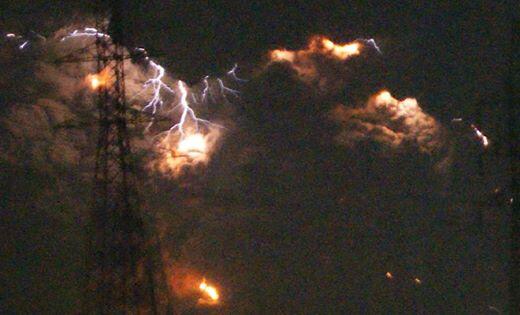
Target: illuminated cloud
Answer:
pixel 174 135
pixel 308 62
pixel 176 154
pixel 388 121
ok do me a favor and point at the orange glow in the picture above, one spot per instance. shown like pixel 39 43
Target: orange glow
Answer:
pixel 305 62
pixel 389 275
pixel 417 280
pixel 209 291
pixel 281 55
pixel 390 121
pixel 407 108
pixel 178 153
pixel 98 80
pixel 384 97
pixel 317 45
pixel 341 52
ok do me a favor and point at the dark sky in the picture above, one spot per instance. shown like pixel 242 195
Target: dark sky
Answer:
pixel 455 53
pixel 287 242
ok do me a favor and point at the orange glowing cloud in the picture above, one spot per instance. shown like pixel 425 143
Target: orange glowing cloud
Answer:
pixel 304 61
pixel 388 121
pixel 177 153
pixel 317 45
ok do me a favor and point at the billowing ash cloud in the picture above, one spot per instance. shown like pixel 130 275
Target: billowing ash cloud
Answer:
pixel 278 199
pixel 322 62
pixel 305 61
pixel 63 107
pixel 388 121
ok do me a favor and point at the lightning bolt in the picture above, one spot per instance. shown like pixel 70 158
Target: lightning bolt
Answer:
pixel 86 32
pixel 232 73
pixel 187 127
pixel 18 38
pixel 483 139
pixel 187 111
pixel 157 86
pixel 372 42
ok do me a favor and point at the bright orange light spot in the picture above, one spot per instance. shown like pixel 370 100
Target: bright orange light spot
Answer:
pixel 282 55
pixel 98 80
pixel 389 275
pixel 317 45
pixel 384 97
pixel 417 280
pixel 341 51
pixel 209 291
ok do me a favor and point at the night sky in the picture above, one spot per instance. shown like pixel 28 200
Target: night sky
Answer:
pixel 283 219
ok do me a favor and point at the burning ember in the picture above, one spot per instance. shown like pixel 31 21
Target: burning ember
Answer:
pixel 210 293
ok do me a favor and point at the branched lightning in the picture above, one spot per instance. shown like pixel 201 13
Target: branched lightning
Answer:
pixel 185 136
pixel 186 111
pixel 233 73
pixel 157 86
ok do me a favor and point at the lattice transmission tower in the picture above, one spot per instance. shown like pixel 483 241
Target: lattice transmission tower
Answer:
pixel 124 277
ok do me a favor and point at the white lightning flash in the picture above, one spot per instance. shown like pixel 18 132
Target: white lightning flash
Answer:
pixel 86 32
pixel 186 111
pixel 18 38
pixel 483 139
pixel 233 73
pixel 22 46
pixel 372 43
pixel 190 139
pixel 157 86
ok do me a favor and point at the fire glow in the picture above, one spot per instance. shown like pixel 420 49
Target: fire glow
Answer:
pixel 318 45
pixel 98 80
pixel 210 293
pixel 308 61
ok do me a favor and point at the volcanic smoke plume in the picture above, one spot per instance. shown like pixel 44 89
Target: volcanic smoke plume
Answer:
pixel 388 121
pixel 169 126
pixel 290 207
pixel 323 62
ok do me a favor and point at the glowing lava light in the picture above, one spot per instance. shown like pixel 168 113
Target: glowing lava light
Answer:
pixel 209 291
